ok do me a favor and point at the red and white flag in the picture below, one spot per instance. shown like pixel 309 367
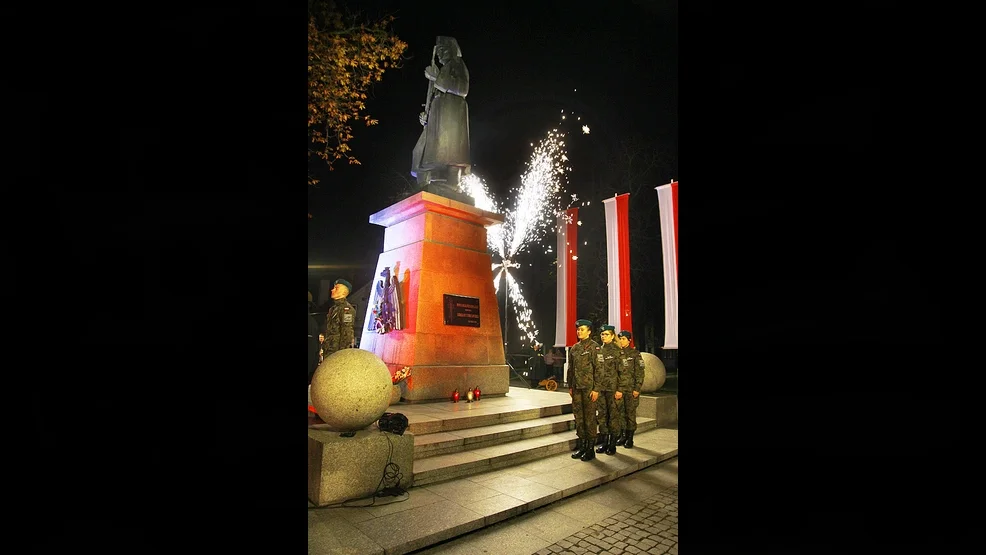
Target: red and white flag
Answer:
pixel 667 197
pixel 618 261
pixel 568 241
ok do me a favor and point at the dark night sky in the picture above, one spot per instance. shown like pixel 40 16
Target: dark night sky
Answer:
pixel 616 67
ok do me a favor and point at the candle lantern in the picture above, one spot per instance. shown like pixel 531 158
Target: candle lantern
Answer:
pixel 469 395
pixel 455 396
pixel 475 393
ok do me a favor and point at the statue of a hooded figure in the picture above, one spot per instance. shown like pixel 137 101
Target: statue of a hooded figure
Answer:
pixel 441 155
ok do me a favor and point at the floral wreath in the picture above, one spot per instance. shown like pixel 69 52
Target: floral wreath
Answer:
pixel 402 375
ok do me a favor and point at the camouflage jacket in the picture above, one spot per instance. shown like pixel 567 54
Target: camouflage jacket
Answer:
pixel 631 370
pixel 583 359
pixel 339 323
pixel 606 373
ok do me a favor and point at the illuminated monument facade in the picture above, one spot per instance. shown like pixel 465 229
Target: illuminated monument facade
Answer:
pixel 449 333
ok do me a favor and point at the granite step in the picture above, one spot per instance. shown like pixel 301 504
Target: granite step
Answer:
pixel 442 443
pixel 486 453
pixel 431 514
pixel 449 417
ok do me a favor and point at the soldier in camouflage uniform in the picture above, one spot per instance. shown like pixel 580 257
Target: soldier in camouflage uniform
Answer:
pixel 340 320
pixel 584 359
pixel 610 405
pixel 631 379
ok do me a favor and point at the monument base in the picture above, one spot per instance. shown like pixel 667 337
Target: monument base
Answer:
pixel 449 335
pixel 344 468
pixel 663 407
pixel 443 190
pixel 433 383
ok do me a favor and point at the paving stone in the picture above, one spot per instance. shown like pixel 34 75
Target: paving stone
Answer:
pixel 649 528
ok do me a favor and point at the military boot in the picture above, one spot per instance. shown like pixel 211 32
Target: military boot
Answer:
pixel 600 439
pixel 611 446
pixel 629 442
pixel 588 454
pixel 602 443
pixel 578 444
pixel 621 439
pixel 580 448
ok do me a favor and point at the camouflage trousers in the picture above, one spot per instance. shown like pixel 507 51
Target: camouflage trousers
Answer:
pixel 630 411
pixel 610 413
pixel 584 410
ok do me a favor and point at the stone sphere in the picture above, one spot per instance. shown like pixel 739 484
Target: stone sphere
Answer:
pixel 351 389
pixel 654 373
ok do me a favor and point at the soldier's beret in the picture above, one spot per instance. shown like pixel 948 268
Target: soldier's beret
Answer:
pixel 626 334
pixel 344 282
pixel 583 323
pixel 608 328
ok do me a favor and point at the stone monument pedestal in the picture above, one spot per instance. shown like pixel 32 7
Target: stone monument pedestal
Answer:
pixel 443 190
pixel 343 468
pixel 451 336
pixel 662 407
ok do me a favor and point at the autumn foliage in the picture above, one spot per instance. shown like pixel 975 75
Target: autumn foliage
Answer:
pixel 346 56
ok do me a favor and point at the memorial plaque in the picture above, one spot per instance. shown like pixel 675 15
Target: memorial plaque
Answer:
pixel 461 311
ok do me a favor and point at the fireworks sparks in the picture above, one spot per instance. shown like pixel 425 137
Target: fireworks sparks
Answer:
pixel 537 198
pixel 536 206
pixel 522 313
pixel 535 210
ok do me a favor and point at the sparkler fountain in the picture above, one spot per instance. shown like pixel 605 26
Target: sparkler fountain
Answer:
pixel 534 213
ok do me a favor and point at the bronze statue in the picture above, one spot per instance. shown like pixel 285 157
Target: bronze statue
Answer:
pixel 441 155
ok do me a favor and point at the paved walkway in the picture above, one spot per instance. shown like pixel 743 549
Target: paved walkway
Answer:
pixel 635 514
pixel 648 527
